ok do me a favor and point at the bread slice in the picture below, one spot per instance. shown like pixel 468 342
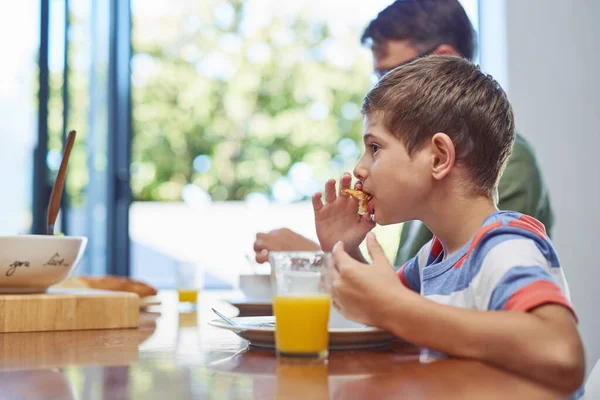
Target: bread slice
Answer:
pixel 363 199
pixel 120 284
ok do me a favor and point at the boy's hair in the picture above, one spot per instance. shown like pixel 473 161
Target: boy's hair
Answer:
pixel 451 95
pixel 425 23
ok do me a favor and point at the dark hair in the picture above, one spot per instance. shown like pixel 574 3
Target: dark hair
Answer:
pixel 426 23
pixel 448 94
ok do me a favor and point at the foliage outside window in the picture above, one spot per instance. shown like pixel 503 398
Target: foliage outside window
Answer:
pixel 231 104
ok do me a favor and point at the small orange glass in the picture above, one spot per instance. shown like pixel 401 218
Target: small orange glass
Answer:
pixel 188 285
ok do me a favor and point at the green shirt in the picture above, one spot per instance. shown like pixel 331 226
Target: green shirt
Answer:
pixel 521 189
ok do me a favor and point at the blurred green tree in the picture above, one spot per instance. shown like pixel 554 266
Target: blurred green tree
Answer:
pixel 230 105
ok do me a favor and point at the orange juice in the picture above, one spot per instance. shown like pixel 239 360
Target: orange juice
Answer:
pixel 188 295
pixel 301 322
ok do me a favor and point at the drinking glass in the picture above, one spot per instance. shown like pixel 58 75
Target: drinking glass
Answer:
pixel 301 302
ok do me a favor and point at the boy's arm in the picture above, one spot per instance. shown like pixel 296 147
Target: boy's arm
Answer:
pixel 542 344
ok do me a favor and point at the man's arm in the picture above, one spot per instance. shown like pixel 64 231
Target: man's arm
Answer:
pixel 281 240
pixel 542 344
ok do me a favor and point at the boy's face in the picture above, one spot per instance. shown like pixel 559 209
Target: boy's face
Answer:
pixel 399 183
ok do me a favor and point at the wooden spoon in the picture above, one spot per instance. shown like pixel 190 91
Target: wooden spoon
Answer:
pixel 59 183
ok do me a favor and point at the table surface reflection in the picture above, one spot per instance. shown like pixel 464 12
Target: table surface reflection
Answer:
pixel 179 356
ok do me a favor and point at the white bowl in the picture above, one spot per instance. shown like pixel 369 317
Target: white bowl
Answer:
pixel 256 287
pixel 32 263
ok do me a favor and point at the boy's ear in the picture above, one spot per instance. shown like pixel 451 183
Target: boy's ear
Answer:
pixel 443 155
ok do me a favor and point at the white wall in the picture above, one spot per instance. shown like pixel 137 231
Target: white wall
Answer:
pixel 552 69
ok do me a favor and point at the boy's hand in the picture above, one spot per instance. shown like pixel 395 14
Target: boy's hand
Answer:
pixel 363 292
pixel 338 219
pixel 281 240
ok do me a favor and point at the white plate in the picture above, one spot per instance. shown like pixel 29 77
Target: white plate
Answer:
pixel 260 332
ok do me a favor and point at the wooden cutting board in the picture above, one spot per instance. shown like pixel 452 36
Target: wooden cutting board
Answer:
pixel 68 309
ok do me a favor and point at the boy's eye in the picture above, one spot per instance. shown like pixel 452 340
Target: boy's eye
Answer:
pixel 374 148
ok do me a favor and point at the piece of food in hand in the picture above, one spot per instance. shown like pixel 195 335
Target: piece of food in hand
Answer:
pixel 119 284
pixel 363 199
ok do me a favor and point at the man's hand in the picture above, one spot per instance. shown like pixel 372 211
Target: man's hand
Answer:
pixel 338 219
pixel 281 240
pixel 363 292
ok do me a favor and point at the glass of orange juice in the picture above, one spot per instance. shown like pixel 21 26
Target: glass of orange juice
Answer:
pixel 302 299
pixel 188 284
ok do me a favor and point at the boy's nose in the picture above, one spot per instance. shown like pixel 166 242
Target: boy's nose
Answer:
pixel 360 172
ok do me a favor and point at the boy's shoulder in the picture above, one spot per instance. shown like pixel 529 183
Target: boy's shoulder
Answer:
pixel 510 224
pixel 512 264
pixel 509 238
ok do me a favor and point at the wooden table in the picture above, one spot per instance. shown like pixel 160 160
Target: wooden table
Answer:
pixel 179 356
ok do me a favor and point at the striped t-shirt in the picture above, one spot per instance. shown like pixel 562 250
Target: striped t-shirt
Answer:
pixel 510 264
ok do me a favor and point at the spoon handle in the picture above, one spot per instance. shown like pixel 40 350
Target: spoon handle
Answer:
pixel 59 183
pixel 224 318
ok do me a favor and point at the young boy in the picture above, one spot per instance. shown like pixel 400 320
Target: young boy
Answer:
pixel 437 134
